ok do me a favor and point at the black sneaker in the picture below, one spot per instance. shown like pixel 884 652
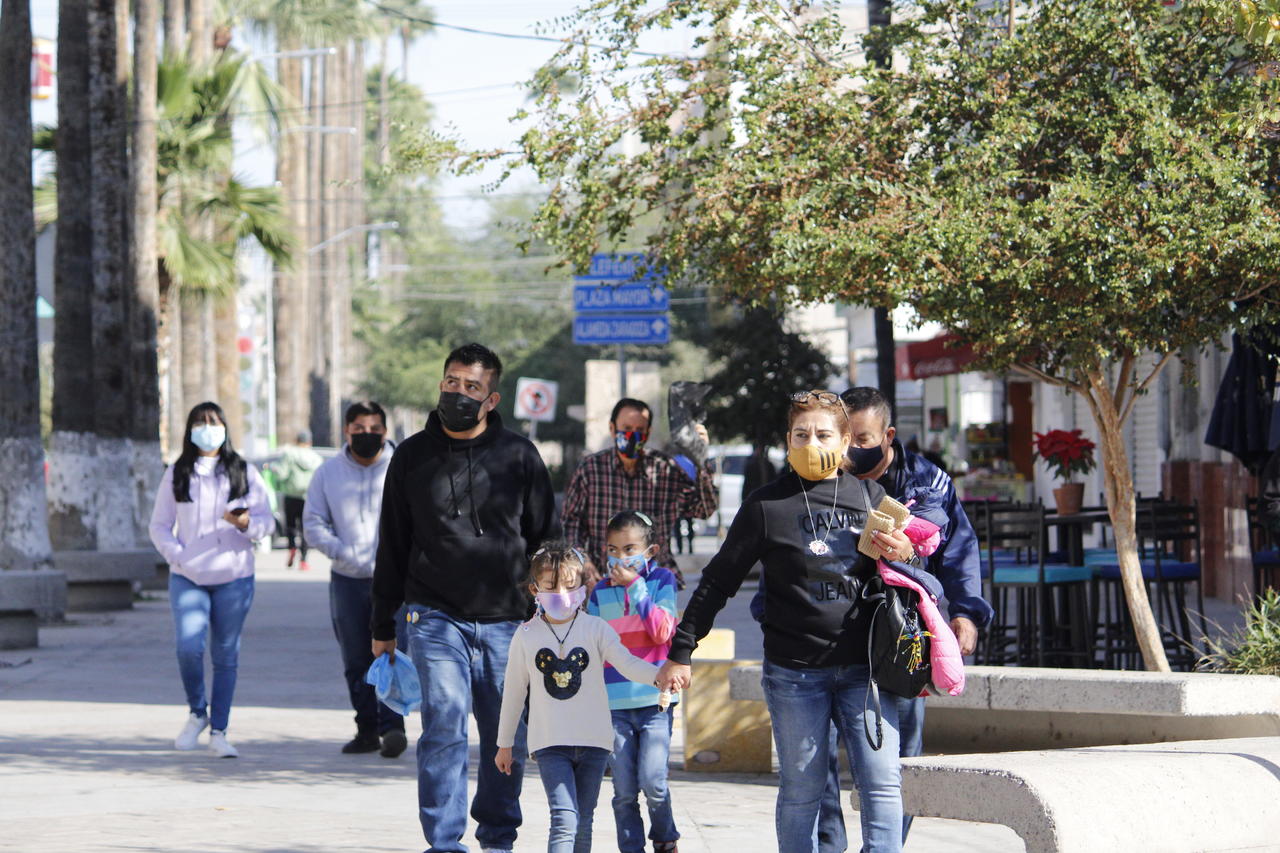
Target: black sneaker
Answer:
pixel 361 743
pixel 393 743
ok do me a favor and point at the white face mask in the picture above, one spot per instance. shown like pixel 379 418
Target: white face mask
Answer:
pixel 208 437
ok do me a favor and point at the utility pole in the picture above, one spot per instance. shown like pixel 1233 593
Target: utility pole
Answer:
pixel 1013 14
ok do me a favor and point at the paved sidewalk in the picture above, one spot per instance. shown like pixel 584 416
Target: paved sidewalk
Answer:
pixel 86 760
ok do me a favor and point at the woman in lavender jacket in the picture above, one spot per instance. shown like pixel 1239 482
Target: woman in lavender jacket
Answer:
pixel 210 507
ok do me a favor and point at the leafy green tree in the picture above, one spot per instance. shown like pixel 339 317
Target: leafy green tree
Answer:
pixel 761 364
pixel 1070 200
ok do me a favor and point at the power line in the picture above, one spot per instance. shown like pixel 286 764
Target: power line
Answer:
pixel 399 13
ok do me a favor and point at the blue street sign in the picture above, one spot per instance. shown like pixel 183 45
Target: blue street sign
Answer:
pixel 617 298
pixel 624 329
pixel 617 267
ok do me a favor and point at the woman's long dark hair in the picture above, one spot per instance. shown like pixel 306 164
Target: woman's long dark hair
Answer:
pixel 230 461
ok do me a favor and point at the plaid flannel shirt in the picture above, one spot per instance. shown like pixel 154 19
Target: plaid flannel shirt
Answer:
pixel 601 487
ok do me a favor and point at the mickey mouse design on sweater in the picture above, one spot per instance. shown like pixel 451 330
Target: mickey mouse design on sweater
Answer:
pixel 562 677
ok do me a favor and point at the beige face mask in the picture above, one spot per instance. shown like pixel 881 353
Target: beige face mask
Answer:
pixel 813 462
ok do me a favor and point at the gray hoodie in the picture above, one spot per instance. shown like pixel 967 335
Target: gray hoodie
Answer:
pixel 344 503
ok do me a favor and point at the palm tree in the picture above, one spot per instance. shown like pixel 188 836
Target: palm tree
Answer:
pixel 145 433
pixel 109 203
pixel 24 534
pixel 194 185
pixel 295 23
pixel 72 441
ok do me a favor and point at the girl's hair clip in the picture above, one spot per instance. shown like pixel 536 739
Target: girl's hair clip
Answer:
pixel 646 519
pixel 582 558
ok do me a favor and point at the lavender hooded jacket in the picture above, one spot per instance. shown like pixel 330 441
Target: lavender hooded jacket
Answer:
pixel 193 537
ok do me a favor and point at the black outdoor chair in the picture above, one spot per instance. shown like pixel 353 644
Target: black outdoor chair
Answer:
pixel 1262 547
pixel 1042 610
pixel 1170 555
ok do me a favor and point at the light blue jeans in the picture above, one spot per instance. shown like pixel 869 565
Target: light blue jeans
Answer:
pixel 201 611
pixel 641 750
pixel 571 776
pixel 461 666
pixel 831 834
pixel 802 704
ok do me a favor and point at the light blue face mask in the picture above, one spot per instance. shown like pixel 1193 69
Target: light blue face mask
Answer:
pixel 635 562
pixel 208 437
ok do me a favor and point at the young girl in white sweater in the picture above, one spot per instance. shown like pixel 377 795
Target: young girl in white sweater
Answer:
pixel 557 660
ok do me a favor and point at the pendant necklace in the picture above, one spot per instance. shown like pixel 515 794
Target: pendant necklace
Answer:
pixel 817 546
pixel 565 638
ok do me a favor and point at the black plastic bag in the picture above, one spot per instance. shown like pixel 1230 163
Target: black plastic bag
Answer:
pixel 685 409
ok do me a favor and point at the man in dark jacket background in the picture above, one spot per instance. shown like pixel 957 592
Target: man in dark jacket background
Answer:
pixel 466 503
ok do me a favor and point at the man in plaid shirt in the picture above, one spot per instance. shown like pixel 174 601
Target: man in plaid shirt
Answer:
pixel 627 476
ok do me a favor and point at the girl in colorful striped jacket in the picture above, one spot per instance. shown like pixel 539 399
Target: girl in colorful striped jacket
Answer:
pixel 638 599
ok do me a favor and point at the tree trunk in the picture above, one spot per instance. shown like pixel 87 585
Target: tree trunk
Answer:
pixel 332 170
pixel 175 26
pixel 290 306
pixel 384 110
pixel 169 351
pixel 200 29
pixel 147 464
pixel 24 531
pixel 227 333
pixel 886 358
pixel 194 348
pixel 109 204
pixel 71 444
pixel 1118 480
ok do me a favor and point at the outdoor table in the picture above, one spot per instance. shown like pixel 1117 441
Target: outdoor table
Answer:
pixel 1071 530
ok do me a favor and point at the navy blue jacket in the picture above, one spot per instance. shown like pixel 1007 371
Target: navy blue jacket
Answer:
pixel 956 563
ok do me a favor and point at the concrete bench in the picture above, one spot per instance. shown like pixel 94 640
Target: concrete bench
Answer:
pixel 103 580
pixel 26 600
pixel 1004 708
pixel 1184 796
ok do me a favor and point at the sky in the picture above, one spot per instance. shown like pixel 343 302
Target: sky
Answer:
pixel 442 63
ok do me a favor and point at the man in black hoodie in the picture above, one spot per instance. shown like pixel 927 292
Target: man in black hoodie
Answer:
pixel 466 503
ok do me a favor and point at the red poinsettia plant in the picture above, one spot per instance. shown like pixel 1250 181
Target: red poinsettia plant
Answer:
pixel 1065 452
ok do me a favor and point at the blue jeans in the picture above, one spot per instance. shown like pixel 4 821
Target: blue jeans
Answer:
pixel 641 749
pixel 802 704
pixel 199 611
pixel 571 776
pixel 461 666
pixel 350 603
pixel 831 832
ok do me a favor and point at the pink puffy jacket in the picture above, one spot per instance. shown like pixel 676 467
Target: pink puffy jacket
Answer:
pixel 944 652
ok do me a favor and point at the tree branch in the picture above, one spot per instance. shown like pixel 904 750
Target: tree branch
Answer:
pixel 1155 371
pixel 1126 373
pixel 1037 373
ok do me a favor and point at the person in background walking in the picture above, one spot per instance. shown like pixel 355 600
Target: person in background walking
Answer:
pixel 344 503
pixel 629 476
pixel 210 507
pixel 876 454
pixel 466 503
pixel 292 472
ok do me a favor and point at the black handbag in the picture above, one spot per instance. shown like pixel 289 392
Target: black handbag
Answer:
pixel 898 647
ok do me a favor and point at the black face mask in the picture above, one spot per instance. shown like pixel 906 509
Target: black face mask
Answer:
pixel 458 412
pixel 366 445
pixel 865 459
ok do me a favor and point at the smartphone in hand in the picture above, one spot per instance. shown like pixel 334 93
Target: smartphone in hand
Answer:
pixel 238 511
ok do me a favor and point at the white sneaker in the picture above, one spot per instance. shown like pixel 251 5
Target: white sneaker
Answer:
pixel 219 747
pixel 189 737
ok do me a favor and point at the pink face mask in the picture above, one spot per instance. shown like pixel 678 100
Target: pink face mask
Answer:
pixel 562 605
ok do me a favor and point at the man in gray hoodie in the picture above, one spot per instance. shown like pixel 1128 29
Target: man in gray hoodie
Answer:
pixel 344 503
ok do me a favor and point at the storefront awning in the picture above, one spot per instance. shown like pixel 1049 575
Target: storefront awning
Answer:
pixel 934 357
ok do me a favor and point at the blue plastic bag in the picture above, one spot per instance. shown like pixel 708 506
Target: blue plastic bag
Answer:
pixel 395 684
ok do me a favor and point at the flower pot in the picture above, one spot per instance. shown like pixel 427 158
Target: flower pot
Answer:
pixel 1069 497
